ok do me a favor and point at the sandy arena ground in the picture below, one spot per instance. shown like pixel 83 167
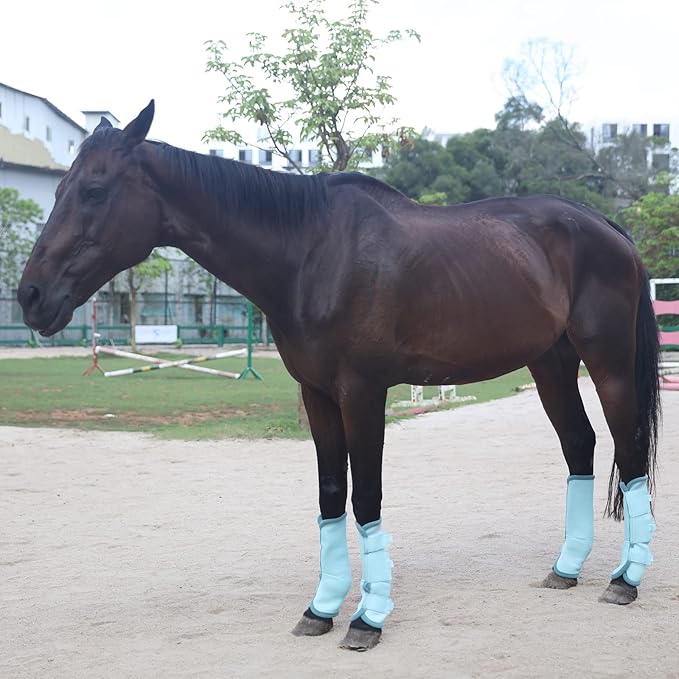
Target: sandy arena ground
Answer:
pixel 124 556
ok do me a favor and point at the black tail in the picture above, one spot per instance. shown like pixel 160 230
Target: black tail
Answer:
pixel 647 386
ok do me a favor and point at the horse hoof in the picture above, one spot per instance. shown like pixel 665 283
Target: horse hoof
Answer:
pixel 554 581
pixel 311 625
pixel 361 637
pixel 619 592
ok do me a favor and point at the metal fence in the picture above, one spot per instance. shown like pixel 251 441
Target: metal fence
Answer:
pixel 202 321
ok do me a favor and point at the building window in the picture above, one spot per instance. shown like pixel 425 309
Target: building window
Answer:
pixel 265 157
pixel 640 129
pixel 661 162
pixel 245 155
pixel 48 133
pixel 661 130
pixel 609 131
pixel 27 124
pixel 71 146
pixel 296 156
pixel 217 152
pixel 314 156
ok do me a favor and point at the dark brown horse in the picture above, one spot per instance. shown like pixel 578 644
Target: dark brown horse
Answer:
pixel 365 289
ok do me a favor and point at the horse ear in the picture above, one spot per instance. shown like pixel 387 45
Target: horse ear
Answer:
pixel 103 124
pixel 136 131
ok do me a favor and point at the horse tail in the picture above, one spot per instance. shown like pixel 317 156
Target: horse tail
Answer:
pixel 647 387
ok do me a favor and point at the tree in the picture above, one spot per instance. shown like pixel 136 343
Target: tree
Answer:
pixel 154 266
pixel 653 221
pixel 325 87
pixel 543 77
pixel 19 218
pixel 542 81
pixel 423 169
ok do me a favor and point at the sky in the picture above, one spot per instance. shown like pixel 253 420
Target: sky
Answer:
pixel 118 55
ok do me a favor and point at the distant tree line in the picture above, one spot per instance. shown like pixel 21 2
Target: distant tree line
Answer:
pixel 527 154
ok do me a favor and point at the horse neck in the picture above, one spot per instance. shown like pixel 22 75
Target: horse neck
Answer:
pixel 249 253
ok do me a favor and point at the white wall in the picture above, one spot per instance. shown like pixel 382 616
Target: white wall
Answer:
pixel 33 184
pixel 65 138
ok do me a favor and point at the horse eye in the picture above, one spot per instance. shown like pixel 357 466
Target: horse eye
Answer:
pixel 94 195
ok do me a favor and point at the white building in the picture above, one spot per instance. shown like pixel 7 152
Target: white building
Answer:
pixel 38 143
pixel 258 150
pixel 664 132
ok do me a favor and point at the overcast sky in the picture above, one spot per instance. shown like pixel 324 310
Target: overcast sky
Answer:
pixel 118 55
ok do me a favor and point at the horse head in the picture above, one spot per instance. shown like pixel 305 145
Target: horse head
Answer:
pixel 104 220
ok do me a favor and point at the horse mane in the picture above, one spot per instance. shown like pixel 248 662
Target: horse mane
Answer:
pixel 279 199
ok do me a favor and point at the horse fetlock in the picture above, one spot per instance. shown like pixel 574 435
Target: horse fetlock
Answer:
pixel 639 527
pixel 376 602
pixel 579 533
pixel 335 575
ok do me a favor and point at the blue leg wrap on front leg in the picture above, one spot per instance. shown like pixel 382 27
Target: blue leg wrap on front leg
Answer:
pixel 335 579
pixel 376 603
pixel 579 534
pixel 639 527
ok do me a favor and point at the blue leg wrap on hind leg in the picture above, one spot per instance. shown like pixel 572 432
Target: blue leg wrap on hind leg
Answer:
pixel 639 526
pixel 335 579
pixel 579 526
pixel 376 603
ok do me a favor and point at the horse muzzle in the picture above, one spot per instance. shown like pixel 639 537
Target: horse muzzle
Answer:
pixel 48 312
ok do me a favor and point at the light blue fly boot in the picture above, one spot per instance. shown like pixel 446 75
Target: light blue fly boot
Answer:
pixel 639 526
pixel 579 534
pixel 335 578
pixel 376 603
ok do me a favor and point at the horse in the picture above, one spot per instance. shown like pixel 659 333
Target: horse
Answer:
pixel 364 289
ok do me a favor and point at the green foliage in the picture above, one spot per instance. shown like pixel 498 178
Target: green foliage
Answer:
pixel 488 163
pixel 518 113
pixel 437 198
pixel 154 266
pixel 323 83
pixel 654 223
pixel 18 219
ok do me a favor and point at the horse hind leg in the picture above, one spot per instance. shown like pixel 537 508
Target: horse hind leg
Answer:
pixel 556 378
pixel 621 361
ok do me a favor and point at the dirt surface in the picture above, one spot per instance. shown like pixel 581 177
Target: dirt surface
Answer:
pixel 125 556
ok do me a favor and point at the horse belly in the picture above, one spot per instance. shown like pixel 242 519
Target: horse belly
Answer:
pixel 470 344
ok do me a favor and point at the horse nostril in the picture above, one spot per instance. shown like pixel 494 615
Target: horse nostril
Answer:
pixel 29 296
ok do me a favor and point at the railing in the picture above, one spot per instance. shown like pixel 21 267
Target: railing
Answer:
pixel 81 335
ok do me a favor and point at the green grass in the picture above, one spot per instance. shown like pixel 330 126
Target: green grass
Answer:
pixel 174 403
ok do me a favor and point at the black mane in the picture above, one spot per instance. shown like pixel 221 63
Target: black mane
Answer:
pixel 268 197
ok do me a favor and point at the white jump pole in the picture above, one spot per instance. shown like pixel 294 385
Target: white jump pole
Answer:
pixel 160 364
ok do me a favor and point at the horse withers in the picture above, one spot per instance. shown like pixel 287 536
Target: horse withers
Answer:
pixel 364 289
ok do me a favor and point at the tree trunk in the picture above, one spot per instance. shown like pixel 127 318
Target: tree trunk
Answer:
pixel 302 416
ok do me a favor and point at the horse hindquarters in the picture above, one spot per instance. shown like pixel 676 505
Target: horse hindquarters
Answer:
pixel 620 350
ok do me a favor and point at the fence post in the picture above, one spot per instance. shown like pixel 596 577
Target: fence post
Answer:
pixel 249 370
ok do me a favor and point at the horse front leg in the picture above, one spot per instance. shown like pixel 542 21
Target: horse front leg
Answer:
pixel 327 430
pixel 363 416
